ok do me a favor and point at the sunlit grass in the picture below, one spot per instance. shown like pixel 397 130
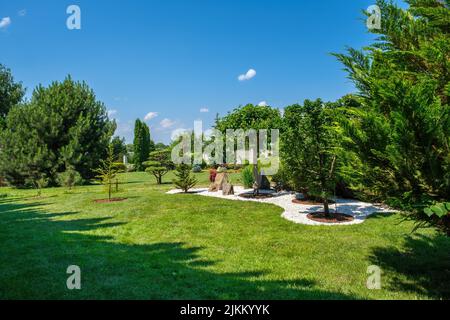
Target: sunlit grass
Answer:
pixel 159 246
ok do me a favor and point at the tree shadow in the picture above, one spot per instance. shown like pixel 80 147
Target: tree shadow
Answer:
pixel 422 267
pixel 38 247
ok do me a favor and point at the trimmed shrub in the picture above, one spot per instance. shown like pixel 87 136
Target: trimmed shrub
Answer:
pixel 247 177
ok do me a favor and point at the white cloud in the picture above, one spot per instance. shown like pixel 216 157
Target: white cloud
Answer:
pixel 263 104
pixel 5 22
pixel 151 115
pixel 249 75
pixel 167 123
pixel 22 13
pixel 112 113
pixel 204 110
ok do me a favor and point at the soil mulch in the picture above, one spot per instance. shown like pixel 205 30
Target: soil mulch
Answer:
pixel 110 201
pixel 310 202
pixel 259 196
pixel 334 218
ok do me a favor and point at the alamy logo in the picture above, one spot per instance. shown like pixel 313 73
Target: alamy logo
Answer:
pixel 234 147
pixel 374 20
pixel 74 280
pixel 374 279
pixel 74 20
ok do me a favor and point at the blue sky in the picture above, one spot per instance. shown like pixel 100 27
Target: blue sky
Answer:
pixel 176 59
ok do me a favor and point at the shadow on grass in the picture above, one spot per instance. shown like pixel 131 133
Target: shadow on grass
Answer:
pixel 38 246
pixel 423 267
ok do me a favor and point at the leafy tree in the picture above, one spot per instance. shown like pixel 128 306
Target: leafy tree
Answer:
pixel 185 181
pixel 400 133
pixel 107 172
pixel 142 145
pixel 62 124
pixel 159 164
pixel 310 149
pixel 11 93
pixel 250 117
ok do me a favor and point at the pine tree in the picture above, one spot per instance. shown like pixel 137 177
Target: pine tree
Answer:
pixel 107 172
pixel 143 144
pixel 159 164
pixel 11 93
pixel 185 181
pixel 400 134
pixel 62 123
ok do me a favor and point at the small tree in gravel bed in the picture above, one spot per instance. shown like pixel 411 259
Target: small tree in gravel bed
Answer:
pixel 185 180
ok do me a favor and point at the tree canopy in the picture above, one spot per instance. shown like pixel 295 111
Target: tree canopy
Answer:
pixel 142 144
pixel 63 125
pixel 11 93
pixel 400 133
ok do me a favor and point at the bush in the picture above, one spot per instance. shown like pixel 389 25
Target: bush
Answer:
pixel 247 177
pixel 69 178
pixel 281 179
pixel 120 167
pixel 197 168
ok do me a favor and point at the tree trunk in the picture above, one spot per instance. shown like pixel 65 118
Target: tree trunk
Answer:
pixel 109 191
pixel 326 207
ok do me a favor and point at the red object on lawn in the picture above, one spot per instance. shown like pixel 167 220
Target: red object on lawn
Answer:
pixel 212 175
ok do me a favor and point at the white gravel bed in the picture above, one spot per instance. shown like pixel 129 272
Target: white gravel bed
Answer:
pixel 297 213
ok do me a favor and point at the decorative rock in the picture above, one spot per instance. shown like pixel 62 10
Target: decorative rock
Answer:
pixel 213 188
pixel 228 189
pixel 221 179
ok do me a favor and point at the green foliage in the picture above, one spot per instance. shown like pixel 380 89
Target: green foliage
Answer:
pixel 119 148
pixel 184 180
pixel 70 178
pixel 11 93
pixel 247 177
pixel 310 148
pixel 107 172
pixel 282 179
pixel 62 124
pixel 142 145
pixel 250 117
pixel 197 168
pixel 399 135
pixel 159 164
pixel 120 167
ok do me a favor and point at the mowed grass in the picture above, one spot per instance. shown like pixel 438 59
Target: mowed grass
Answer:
pixel 159 246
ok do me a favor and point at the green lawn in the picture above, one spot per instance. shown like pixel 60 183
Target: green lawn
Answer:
pixel 158 246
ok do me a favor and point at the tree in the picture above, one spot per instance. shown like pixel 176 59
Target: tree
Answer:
pixel 400 134
pixel 70 178
pixel 185 181
pixel 62 124
pixel 119 148
pixel 107 172
pixel 11 93
pixel 143 144
pixel 160 146
pixel 159 164
pixel 250 117
pixel 310 149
